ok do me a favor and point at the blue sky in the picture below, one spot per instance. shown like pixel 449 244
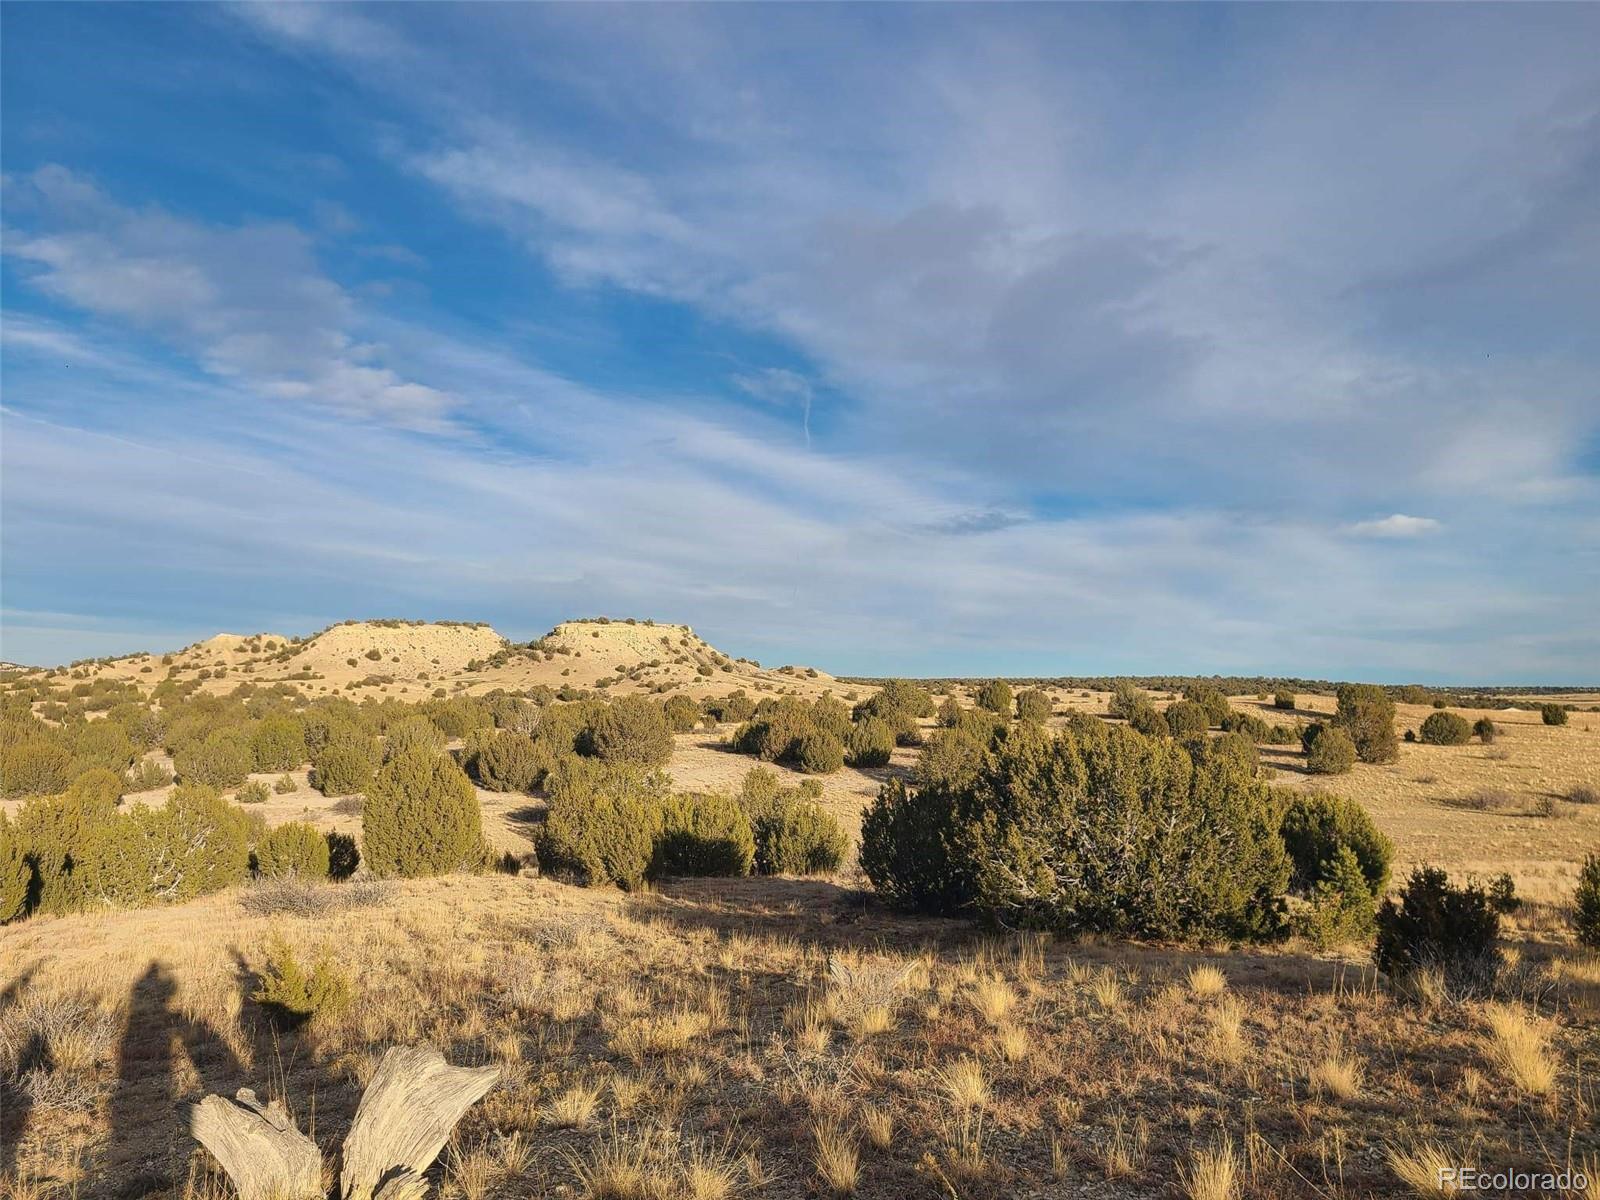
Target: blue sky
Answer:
pixel 934 340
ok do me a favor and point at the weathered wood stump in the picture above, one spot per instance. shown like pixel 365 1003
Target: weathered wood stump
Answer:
pixel 258 1146
pixel 406 1114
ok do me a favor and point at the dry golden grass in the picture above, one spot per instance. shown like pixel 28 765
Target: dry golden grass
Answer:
pixel 837 1159
pixel 1414 800
pixel 993 998
pixel 574 1108
pixel 1207 980
pixel 964 1084
pixel 1423 1168
pixel 705 1032
pixel 1337 1075
pixel 1212 1174
pixel 878 1126
pixel 1519 1046
pixel 1108 991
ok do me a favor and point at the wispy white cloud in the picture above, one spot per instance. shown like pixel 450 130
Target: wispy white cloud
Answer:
pixel 249 301
pixel 1396 525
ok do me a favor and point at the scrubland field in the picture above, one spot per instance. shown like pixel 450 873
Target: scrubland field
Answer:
pixel 768 1006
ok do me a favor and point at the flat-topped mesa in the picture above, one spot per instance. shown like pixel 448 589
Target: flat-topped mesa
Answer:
pixel 640 639
pixel 397 648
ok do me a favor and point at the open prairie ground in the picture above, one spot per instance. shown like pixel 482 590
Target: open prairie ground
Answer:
pixel 703 1040
pixel 777 1037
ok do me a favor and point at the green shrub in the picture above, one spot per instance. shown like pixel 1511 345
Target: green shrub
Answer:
pixel 254 792
pixel 949 713
pixel 510 762
pixel 1034 705
pixel 222 760
pixel 1446 729
pixel 995 697
pixel 343 857
pixel 412 733
pixel 682 713
pixel 631 730
pixel 206 844
pixel 707 834
pixel 98 785
pixel 1341 909
pixel 1209 697
pixel 1186 717
pixel 1366 713
pixel 99 744
pixel 907 730
pixel 194 844
pixel 147 776
pixel 1439 926
pixel 285 785
pixel 1331 753
pixel 951 759
pixel 1553 714
pixel 910 849
pixel 1503 896
pixel 1586 903
pixel 458 717
pixel 760 790
pixel 774 735
pixel 331 725
pixel 1484 730
pixel 57 834
pixel 34 766
pixel 1318 829
pixel 421 817
pixel 341 770
pixel 1248 725
pixel 829 715
pixel 294 849
pixel 279 743
pixel 818 753
pixel 292 995
pixel 1104 829
pixel 1125 697
pixel 1284 700
pixel 16 874
pixel 736 706
pixel 798 837
pixel 870 743
pixel 896 697
pixel 1147 719
pixel 602 820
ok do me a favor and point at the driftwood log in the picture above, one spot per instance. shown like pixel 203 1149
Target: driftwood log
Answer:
pixel 405 1117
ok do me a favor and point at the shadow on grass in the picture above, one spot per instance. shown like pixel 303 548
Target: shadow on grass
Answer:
pixel 832 916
